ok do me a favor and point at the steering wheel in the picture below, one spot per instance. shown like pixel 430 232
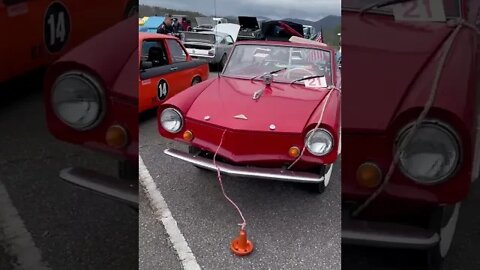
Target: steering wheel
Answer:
pixel 298 70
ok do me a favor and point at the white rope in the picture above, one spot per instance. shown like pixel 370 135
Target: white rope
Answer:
pixel 447 45
pixel 219 177
pixel 327 99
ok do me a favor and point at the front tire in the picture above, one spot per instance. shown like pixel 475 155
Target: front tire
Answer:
pixel 196 152
pixel 196 80
pixel 127 170
pixel 326 172
pixel 446 226
pixel 131 10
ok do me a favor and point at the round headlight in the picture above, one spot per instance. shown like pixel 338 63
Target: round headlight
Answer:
pixel 432 155
pixel 171 120
pixel 319 142
pixel 77 100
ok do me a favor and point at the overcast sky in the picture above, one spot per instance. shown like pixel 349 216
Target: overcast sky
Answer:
pixel 274 9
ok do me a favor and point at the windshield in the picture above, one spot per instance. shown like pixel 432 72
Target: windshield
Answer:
pixel 249 61
pixel 199 37
pixel 452 7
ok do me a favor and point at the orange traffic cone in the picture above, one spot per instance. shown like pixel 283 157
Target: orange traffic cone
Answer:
pixel 241 246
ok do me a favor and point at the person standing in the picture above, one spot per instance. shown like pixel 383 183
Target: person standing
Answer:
pixel 184 24
pixel 166 27
pixel 176 25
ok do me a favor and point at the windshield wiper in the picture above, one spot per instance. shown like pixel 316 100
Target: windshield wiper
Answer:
pixel 307 78
pixel 382 3
pixel 271 73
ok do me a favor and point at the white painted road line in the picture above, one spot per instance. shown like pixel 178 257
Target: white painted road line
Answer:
pixel 19 242
pixel 160 207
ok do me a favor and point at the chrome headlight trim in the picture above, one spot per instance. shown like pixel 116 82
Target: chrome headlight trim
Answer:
pixel 307 136
pixel 94 84
pixel 441 127
pixel 180 118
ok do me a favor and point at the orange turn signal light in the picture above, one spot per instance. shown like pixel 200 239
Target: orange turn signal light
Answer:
pixel 116 136
pixel 188 136
pixel 294 152
pixel 369 175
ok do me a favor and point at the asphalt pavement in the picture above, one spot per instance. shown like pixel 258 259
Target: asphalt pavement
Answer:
pixel 290 227
pixel 69 227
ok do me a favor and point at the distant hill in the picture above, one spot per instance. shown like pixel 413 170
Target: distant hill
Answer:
pixel 147 11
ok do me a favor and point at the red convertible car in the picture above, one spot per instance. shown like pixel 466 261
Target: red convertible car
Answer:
pixel 166 69
pixel 36 33
pixel 402 183
pixel 91 100
pixel 273 113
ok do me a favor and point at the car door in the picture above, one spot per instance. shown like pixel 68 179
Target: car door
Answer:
pixel 182 65
pixel 158 78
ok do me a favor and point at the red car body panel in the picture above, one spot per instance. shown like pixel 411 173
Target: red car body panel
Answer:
pixel 297 105
pixel 293 109
pixel 177 80
pixel 114 65
pixel 24 47
pixel 388 73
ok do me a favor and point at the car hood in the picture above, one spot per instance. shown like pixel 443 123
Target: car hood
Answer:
pixel 286 107
pixel 383 73
pixel 247 22
pixel 228 28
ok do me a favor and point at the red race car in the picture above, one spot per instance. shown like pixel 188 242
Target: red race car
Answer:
pixel 91 100
pixel 273 113
pixel 166 69
pixel 39 32
pixel 410 122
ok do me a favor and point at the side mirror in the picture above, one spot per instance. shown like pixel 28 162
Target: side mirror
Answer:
pixel 146 65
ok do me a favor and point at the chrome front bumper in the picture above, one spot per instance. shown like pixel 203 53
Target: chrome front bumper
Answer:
pixel 390 235
pixel 105 185
pixel 250 172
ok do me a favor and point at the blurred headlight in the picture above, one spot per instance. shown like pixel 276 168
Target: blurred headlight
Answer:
pixel 432 155
pixel 319 142
pixel 171 120
pixel 77 100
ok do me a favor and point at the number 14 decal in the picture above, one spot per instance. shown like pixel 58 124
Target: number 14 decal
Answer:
pixel 56 27
pixel 420 10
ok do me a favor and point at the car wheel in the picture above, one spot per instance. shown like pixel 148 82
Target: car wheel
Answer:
pixel 223 62
pixel 131 9
pixel 127 170
pixel 196 152
pixel 326 172
pixel 446 225
pixel 196 80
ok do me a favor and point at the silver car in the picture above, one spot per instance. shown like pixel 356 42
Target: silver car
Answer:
pixel 211 46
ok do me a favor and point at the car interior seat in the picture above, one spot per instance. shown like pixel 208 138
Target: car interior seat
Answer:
pixel 156 56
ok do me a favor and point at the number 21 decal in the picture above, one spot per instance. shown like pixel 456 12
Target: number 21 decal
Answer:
pixel 56 27
pixel 420 10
